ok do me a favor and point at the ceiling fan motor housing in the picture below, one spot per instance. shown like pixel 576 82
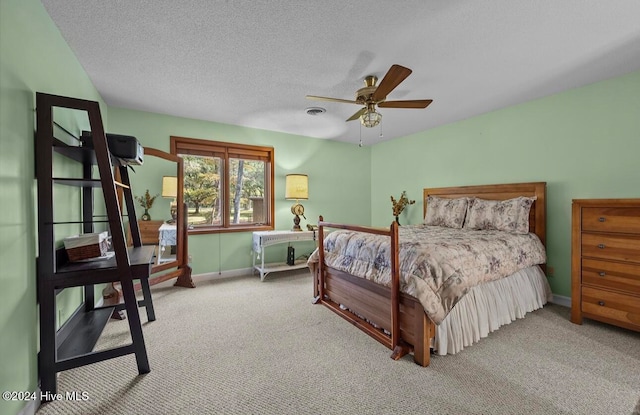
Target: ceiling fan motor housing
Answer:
pixel 363 95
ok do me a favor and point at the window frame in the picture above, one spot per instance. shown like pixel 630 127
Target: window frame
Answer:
pixel 226 151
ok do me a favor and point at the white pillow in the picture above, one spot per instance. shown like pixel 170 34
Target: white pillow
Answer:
pixel 449 213
pixel 510 215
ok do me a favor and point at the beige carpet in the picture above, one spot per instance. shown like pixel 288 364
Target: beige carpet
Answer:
pixel 239 346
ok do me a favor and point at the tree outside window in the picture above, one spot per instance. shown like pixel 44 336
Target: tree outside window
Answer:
pixel 227 186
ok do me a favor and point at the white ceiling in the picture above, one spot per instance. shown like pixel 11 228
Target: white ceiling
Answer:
pixel 251 62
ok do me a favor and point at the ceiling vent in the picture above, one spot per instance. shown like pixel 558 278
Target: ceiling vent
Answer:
pixel 315 110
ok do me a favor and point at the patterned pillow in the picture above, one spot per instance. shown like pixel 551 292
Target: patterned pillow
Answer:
pixel 449 213
pixel 510 215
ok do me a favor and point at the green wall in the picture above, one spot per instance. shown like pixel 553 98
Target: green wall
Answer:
pixel 585 143
pixel 33 57
pixel 339 180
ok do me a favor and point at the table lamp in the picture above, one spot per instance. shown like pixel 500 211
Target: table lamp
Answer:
pixel 170 190
pixel 296 188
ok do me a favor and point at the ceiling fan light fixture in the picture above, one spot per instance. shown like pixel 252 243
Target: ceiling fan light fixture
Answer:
pixel 370 118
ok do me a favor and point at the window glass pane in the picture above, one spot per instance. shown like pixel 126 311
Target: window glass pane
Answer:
pixel 246 191
pixel 202 189
pixel 227 185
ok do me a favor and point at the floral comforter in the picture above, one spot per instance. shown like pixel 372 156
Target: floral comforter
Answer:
pixel 438 265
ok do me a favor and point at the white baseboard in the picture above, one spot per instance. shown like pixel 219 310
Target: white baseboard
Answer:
pixel 242 272
pixel 561 300
pixel 32 406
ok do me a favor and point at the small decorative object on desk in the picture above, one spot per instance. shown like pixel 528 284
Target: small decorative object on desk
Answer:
pixel 400 204
pixel 146 202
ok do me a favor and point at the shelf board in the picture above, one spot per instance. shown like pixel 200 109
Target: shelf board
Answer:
pixel 85 182
pixel 84 334
pixel 281 266
pixel 78 182
pixel 72 274
pixel 71 222
pixel 82 154
pixel 77 153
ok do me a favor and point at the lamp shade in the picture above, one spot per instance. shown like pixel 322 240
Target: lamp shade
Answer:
pixel 296 186
pixel 169 186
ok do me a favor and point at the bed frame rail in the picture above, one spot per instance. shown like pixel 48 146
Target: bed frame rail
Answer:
pixel 392 341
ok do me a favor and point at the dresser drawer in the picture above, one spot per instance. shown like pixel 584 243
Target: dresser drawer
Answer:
pixel 611 307
pixel 616 247
pixel 611 219
pixel 614 275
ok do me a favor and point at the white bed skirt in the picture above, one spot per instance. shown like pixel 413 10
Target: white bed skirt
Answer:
pixel 487 307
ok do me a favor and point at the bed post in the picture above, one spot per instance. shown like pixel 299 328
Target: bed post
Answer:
pixel 425 330
pixel 319 277
pixel 398 350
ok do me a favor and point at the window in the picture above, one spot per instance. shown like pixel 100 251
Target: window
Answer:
pixel 227 186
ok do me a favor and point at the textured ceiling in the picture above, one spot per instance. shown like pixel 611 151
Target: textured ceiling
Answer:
pixel 251 63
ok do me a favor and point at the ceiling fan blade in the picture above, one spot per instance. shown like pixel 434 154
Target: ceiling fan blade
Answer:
pixel 357 114
pixel 392 79
pixel 345 101
pixel 416 103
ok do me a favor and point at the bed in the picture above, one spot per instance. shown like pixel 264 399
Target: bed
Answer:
pixel 407 323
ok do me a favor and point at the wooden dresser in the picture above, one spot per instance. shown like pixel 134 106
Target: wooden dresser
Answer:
pixel 148 232
pixel 605 261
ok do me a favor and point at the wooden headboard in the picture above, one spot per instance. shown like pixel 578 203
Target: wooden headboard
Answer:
pixel 537 216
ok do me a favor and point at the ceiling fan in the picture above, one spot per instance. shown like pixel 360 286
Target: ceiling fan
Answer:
pixel 371 96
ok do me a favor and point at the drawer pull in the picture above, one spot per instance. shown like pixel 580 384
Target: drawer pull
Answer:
pixel 601 303
pixel 602 273
pixel 601 246
pixel 601 219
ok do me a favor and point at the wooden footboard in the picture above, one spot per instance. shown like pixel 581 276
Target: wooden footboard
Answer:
pixel 399 321
pixel 394 319
pixel 369 309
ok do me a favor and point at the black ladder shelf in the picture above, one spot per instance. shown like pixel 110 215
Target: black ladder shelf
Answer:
pixel 72 345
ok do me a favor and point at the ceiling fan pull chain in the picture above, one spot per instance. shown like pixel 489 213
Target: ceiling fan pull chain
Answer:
pixel 360 145
pixel 381 131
